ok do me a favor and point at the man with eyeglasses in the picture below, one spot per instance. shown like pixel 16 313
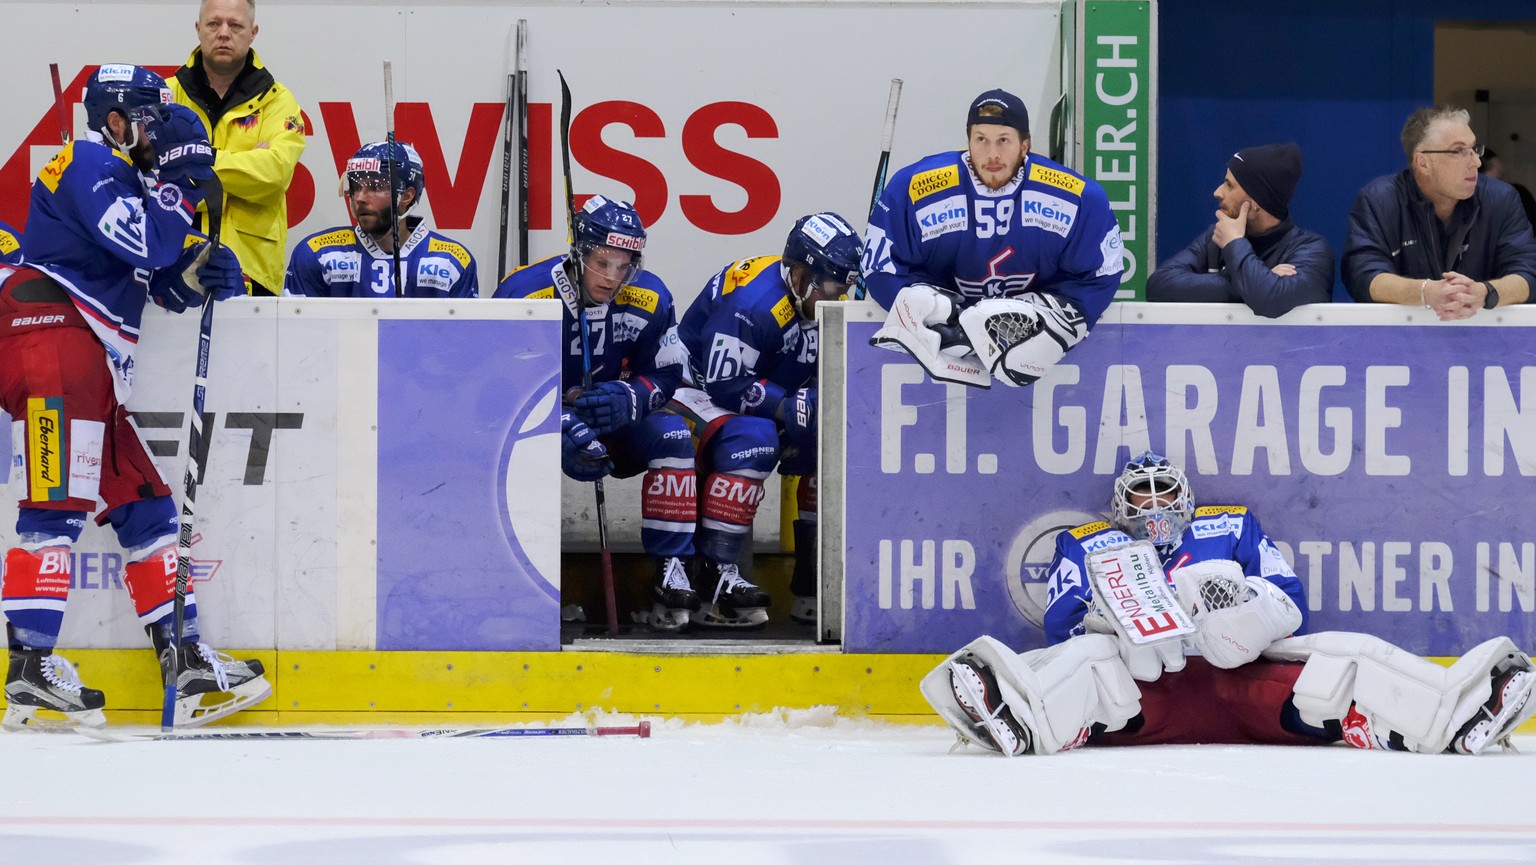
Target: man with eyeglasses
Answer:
pixel 1438 234
pixel 1172 624
pixel 360 260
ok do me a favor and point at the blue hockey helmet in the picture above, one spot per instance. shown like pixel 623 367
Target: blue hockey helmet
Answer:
pixel 1152 500
pixel 602 222
pixel 829 247
pixel 370 166
pixel 121 87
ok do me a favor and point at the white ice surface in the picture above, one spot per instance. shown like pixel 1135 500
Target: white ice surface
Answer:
pixel 798 787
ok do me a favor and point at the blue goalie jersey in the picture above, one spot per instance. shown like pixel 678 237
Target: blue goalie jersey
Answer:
pixel 10 245
pixel 1218 532
pixel 632 337
pixel 345 262
pixel 1049 229
pixel 741 331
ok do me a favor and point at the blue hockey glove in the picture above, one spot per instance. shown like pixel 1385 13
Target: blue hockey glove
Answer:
pixel 180 141
pixel 167 290
pixel 218 273
pixel 582 456
pixel 608 406
pixel 800 416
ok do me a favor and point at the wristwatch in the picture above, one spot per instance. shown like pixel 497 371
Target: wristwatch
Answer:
pixel 1493 296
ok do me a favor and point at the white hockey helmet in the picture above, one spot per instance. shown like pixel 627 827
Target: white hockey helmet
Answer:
pixel 1152 500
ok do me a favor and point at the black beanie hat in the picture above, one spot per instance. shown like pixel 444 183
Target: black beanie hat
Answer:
pixel 1268 174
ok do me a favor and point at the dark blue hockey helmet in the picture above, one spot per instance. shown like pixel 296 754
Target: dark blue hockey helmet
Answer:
pixel 829 247
pixel 603 222
pixel 1152 500
pixel 122 88
pixel 369 167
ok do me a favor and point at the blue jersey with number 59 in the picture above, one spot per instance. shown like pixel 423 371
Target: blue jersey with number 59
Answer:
pixel 746 344
pixel 1049 229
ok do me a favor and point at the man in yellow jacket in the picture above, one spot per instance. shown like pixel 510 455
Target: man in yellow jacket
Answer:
pixel 255 125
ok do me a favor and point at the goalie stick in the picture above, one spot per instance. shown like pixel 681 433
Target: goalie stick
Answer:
pixel 604 555
pixel 106 734
pixel 214 200
pixel 892 102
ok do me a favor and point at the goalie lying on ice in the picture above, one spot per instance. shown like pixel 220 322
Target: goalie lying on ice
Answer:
pixel 1177 625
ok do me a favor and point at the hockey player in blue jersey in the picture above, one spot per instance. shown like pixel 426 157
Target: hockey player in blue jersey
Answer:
pixel 750 397
pixel 1246 675
pixel 358 260
pixel 620 325
pixel 993 261
pixel 109 226
pixel 10 245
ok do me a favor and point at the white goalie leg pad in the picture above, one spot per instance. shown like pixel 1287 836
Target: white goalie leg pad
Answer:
pixel 1394 690
pixel 1058 693
pixel 1019 339
pixel 910 327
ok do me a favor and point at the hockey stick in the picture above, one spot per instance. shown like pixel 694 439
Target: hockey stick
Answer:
pixel 604 555
pixel 107 734
pixel 58 103
pixel 522 141
pixel 389 154
pixel 889 133
pixel 214 201
pixel 506 164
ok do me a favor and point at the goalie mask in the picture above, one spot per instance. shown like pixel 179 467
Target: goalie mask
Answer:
pixel 1152 500
pixel 830 250
pixel 122 88
pixel 607 239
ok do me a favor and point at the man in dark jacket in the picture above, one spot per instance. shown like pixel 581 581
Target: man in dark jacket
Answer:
pixel 1254 254
pixel 1438 234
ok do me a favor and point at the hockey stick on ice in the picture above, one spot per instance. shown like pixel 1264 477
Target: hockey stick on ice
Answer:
pixel 108 734
pixel 604 555
pixel 886 136
pixel 522 141
pixel 58 103
pixel 214 201
pixel 389 154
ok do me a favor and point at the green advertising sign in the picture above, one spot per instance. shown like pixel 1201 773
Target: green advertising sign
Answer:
pixel 1116 89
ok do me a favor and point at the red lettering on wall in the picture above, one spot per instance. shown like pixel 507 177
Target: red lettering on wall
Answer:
pixel 759 181
pixel 589 149
pixel 540 161
pixel 454 197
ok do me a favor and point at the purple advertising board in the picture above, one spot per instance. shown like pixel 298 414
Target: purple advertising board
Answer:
pixel 1392 464
pixel 461 406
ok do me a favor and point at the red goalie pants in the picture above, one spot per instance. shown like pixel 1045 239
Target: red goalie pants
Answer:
pixel 1206 705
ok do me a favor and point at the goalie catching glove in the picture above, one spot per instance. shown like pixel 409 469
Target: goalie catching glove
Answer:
pixel 1236 617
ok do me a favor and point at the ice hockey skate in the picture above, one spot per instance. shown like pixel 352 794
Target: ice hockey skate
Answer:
pixel 977 693
pixel 673 597
pixel 1495 721
pixel 42 682
pixel 736 603
pixel 211 685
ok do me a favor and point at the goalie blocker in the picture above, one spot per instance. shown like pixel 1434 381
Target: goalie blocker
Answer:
pixel 1316 689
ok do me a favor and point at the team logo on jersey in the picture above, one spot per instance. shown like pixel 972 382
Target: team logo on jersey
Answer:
pixel 45 449
pixel 943 217
pixel 928 182
pixel 123 224
pixel 460 254
pixel 1057 178
pixel 168 196
pixel 341 267
pixel 1043 210
pixel 996 283
pixel 642 298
